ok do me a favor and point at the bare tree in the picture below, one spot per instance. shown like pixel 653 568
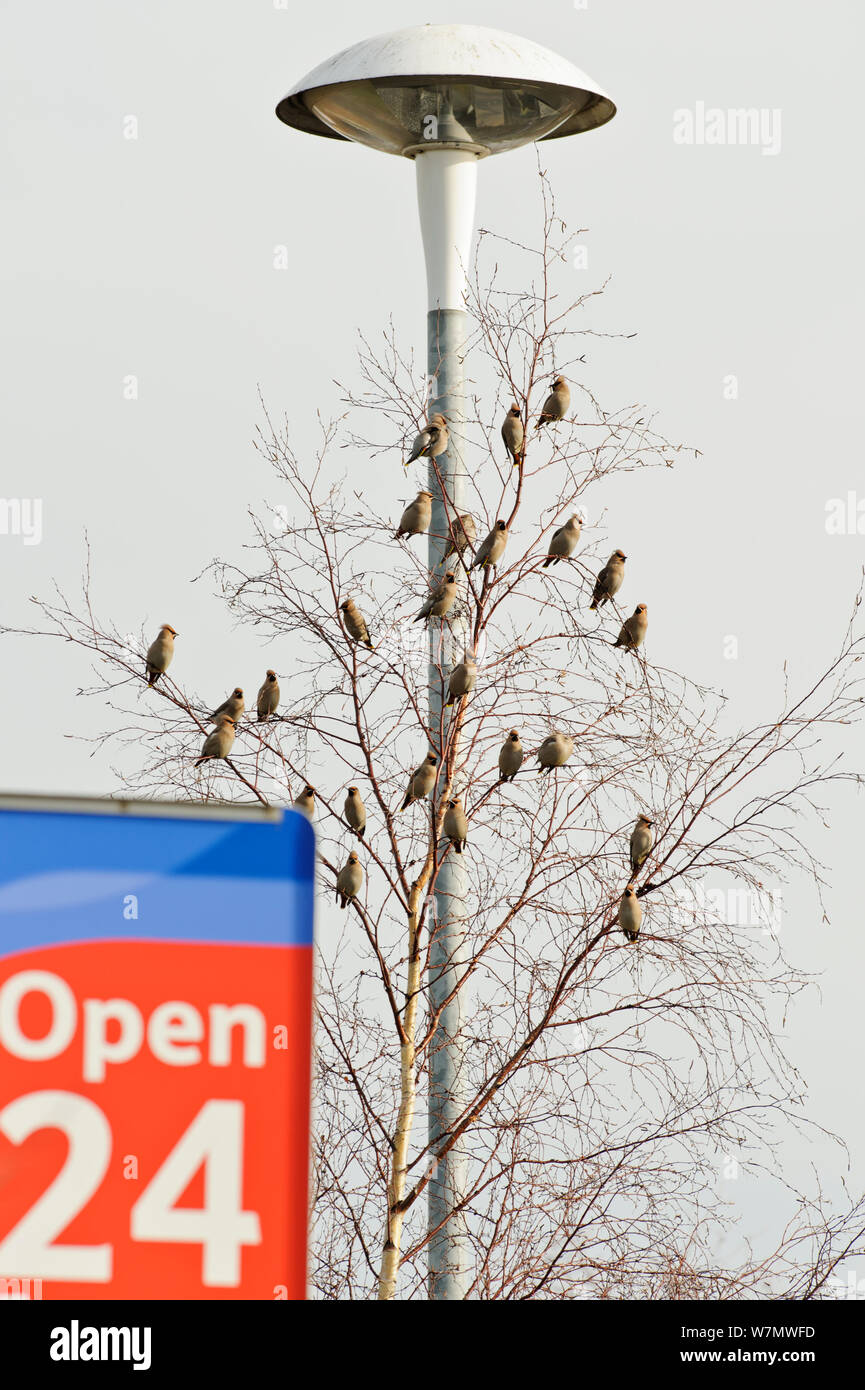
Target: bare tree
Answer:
pixel 605 1078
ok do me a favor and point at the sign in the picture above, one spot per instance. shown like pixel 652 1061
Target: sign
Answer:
pixel 155 1023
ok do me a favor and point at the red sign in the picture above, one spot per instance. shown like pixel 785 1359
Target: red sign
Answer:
pixel 154 1119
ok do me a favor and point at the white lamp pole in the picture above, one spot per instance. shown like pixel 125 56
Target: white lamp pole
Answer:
pixel 446 95
pixel 446 188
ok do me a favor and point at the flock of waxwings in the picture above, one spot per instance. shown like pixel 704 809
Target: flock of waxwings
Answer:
pixel 556 748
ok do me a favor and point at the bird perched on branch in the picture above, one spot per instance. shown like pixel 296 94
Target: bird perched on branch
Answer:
pixel 633 629
pixel 355 623
pixel 268 697
pixel 555 751
pixel 564 542
pixel 160 653
pixel 440 601
pixel 233 706
pixel 492 547
pixel 513 434
pixel 349 880
pixel 432 440
pixel 416 517
pixel 355 811
pixel 305 803
pixel 455 825
pixel 462 679
pixel 630 914
pixel 422 781
pixel 642 840
pixel 557 403
pixel 609 581
pixel 510 757
pixel 220 742
pixel 461 535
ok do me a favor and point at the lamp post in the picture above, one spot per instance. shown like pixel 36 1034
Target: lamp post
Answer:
pixel 446 95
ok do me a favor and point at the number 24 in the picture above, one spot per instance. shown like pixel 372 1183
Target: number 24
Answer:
pixel 221 1227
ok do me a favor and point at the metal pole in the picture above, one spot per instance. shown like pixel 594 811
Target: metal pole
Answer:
pixel 446 198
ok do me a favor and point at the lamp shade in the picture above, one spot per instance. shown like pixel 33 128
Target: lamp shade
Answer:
pixel 445 86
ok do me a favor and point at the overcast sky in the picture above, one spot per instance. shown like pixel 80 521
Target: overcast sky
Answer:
pixel 153 257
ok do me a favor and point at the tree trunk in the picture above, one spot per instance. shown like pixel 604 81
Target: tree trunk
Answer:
pixel 408 1094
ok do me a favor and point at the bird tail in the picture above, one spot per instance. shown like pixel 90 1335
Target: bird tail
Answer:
pixel 547 562
pixel 361 833
pixel 407 802
pixel 202 760
pixel 593 607
pixel 152 677
pixel 368 643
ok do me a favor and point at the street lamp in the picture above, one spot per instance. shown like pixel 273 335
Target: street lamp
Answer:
pixel 446 95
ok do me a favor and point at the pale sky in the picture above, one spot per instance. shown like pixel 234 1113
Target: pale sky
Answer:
pixel 153 257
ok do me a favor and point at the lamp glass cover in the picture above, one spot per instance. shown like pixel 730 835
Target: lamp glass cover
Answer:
pixel 405 116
